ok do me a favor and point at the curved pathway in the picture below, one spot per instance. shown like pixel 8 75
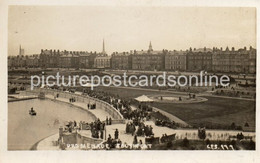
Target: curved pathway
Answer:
pixel 99 113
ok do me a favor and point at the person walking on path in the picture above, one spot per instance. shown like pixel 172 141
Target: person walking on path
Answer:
pixel 116 134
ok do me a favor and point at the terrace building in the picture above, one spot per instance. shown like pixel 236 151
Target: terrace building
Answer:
pixel 220 61
pixel 213 60
pixel 236 61
pixel 20 61
pixel 11 61
pixel 66 59
pixel 148 60
pixel 69 60
pixel 199 59
pixel 32 61
pixel 86 59
pixel 102 61
pixel 121 61
pixel 49 58
pixel 252 60
pixel 175 60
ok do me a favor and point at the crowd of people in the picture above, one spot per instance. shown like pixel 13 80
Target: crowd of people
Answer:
pixel 91 106
pixel 123 106
pixel 135 126
pixel 72 99
pixel 112 143
pixel 97 129
pixel 108 121
pixel 130 128
pixel 202 133
pixel 72 125
pixel 142 130
pixel 166 123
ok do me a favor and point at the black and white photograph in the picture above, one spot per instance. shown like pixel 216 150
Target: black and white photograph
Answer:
pixel 131 78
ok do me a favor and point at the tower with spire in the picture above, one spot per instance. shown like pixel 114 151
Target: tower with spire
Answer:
pixel 103 51
pixel 150 47
pixel 21 51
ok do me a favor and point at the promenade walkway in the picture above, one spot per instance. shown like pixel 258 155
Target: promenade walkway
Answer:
pixel 48 143
pixel 191 134
pixel 128 138
pixel 98 112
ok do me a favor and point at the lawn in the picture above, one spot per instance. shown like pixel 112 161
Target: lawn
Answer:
pixel 129 93
pixel 214 113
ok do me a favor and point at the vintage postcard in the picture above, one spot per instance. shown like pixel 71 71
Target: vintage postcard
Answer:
pixel 141 78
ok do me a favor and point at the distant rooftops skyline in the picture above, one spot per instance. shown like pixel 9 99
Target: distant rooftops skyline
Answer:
pixel 150 50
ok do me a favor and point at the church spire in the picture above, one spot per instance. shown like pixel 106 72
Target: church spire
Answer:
pixel 20 50
pixel 150 46
pixel 104 52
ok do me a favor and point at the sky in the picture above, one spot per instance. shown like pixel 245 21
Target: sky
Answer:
pixel 83 28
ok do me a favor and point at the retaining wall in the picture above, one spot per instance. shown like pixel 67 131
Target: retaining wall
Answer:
pixel 113 112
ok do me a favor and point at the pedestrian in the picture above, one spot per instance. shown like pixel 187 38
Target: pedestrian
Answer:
pixel 110 120
pixel 109 137
pixel 135 140
pixel 101 134
pixel 127 128
pixel 106 121
pixel 140 142
pixel 116 134
pixel 75 123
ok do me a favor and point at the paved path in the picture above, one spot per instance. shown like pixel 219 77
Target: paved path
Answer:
pixel 227 97
pixel 180 133
pixel 48 143
pixel 172 117
pixel 128 138
pixel 192 134
pixel 99 113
